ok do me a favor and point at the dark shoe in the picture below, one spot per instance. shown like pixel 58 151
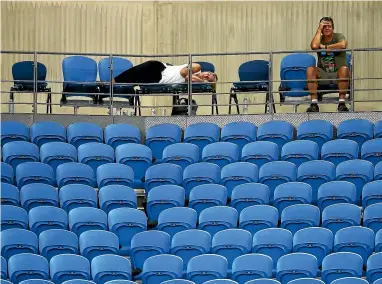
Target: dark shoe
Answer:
pixel 63 100
pixel 342 107
pixel 313 108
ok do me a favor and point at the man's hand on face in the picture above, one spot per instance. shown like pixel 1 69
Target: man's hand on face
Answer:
pixel 322 24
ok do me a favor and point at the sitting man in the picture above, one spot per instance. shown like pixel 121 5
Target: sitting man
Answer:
pixel 331 65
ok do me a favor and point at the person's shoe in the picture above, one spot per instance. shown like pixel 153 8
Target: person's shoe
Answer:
pixel 342 107
pixel 313 108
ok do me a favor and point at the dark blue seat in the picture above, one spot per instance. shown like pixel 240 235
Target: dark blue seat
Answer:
pixel 206 196
pixel 336 192
pixel 4 271
pixel 177 219
pixel 77 195
pixel 84 219
pixel 372 193
pixel 34 172
pixel 371 151
pixel 300 151
pixel 374 268
pixel 95 154
pixel 181 154
pixel 218 218
pixel 162 174
pixel 114 174
pixel 338 216
pixel 45 218
pixel 300 216
pixel 292 193
pixel 202 134
pixel 372 217
pixel 339 150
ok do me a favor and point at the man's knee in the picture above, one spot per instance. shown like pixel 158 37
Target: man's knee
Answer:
pixel 343 72
pixel 311 72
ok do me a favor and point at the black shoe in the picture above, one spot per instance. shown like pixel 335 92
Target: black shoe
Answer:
pixel 63 100
pixel 313 108
pixel 342 107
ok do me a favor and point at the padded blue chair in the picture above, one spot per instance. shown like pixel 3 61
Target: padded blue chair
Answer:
pixel 372 193
pixel 378 129
pixel 14 131
pixel 38 194
pixel 340 265
pixel 251 266
pixel 26 266
pixel 125 223
pixel 338 216
pixel 177 219
pixel 160 268
pixel 163 174
pixel 84 219
pixel 374 268
pixel 77 195
pixel 84 132
pixel 34 172
pixel 335 192
pixel 372 217
pixel 181 154
pixel 116 196
pixel 295 266
pixel 57 241
pixel 4 271
pixel 378 171
pixel 371 151
pixel 44 218
pixel 16 241
pixel 339 150
pixel 300 151
pixel 260 152
pixel 218 218
pixel 300 216
pixel 279 132
pixel 206 196
pixel 239 133
pixel 358 130
pixel 206 267
pixel 57 153
pixel 75 173
pixel 258 217
pixel 202 134
pixel 106 268
pixel 95 154
pixel 66 267
pixel 350 280
pixel 114 174
pixel 13 217
pixel 292 193
pixel 7 173
pixel 10 194
pixel 17 152
pixel 119 133
pixel 221 153
pixel 94 243
pixel 47 131
pixel 319 131
pixel 248 194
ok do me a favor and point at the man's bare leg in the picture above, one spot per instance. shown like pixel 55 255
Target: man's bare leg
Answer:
pixel 312 74
pixel 343 86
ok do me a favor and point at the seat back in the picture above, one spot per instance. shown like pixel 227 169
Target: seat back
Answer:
pixel 251 266
pixel 162 174
pixel 341 264
pixel 7 173
pixel 75 173
pixel 66 267
pixel 84 219
pixel 44 218
pixel 177 219
pixel 77 195
pixel 26 266
pixel 84 132
pixel 119 133
pixel 239 133
pixel 319 131
pixel 57 241
pixel 16 241
pixel 79 69
pixel 300 216
pixel 10 194
pixel 13 217
pixel 279 132
pixel 358 130
pixel 202 134
pixel 116 196
pixel 47 131
pixel 372 151
pixel 38 194
pixel 206 196
pixel 34 172
pixel 258 217
pixel 254 70
pixel 206 66
pixel 374 268
pixel 160 268
pixel 372 217
pixel 24 72
pixel 206 267
pixel 107 268
pixel 339 216
pixel 119 65
pixel 336 192
pixel 339 150
pixel 57 153
pixel 218 218
pixel 13 131
pixel 94 243
pixel 181 154
pixel 260 152
pixel 248 194
pixel 295 266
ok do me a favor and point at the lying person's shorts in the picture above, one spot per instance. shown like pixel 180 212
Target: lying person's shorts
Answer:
pixel 331 77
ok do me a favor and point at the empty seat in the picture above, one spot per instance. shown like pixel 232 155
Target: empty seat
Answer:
pixel 339 150
pixel 162 174
pixel 339 216
pixel 35 281
pixel 263 281
pixel 75 173
pixel 336 192
pixel 34 172
pixel 239 133
pixel 292 193
pixel 160 268
pixel 218 218
pixel 374 267
pixel 378 241
pixel 4 271
pixel 221 153
pixel 300 216
pixel 319 131
pixel 340 265
pixel 77 195
pixel 372 217
pixel 202 134
pixel 258 217
pixel 206 267
pixel 57 153
pixel 119 133
pixel 107 268
pixel 17 152
pixel 372 193
pixel 177 219
pixel 114 173
pixel 279 132
pixel 13 131
pixel 79 281
pixel 44 218
pixel 295 266
pixel 66 267
pixel 358 130
pixel 84 132
pixel 251 266
pixel 47 131
pixel 13 217
pixel 174 281
pixel 26 266
pixel 181 154
pixel 9 194
pixel 206 196
pixel 38 194
pixel 379 281
pixel 248 194
pixel 57 241
pixel 84 219
pixel 116 196
pixel 98 242
pixel 350 280
pixel 299 151
pixel 16 241
pixel 260 152
pixel 95 154
pixel 7 173
pixel 372 151
pixel 378 171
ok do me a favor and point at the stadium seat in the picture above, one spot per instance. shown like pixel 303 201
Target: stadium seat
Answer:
pixel 316 241
pixel 160 268
pixel 13 217
pixel 95 154
pixel 291 193
pixel 162 174
pixel 13 131
pixel 16 241
pixel 339 150
pixel 221 153
pixel 358 130
pixel 300 216
pixel 378 129
pixel 77 195
pixel 202 134
pixel 335 192
pixel 119 133
pixel 57 241
pixel 263 281
pixel 181 154
pixel 350 280
pixel 275 173
pixel 38 194
pixel 338 216
pixel 340 265
pixel 84 219
pixel 84 132
pixel 98 242
pixel 79 281
pixel 66 267
pixel 161 135
pixel 251 266
pixel 372 193
pixel 116 196
pixel 260 152
pixel 47 131
pixel 75 173
pixel 218 218
pixel 206 196
pixel 136 156
pixel 198 174
pixel 295 266
pixel 239 133
pixel 125 223
pixel 258 217
pixel 10 194
pixel 300 151
pixel 107 268
pixel 36 281
pixel 177 219
pixel 372 151
pixel 190 243
pixel 4 270
pixel 119 282
pixel 7 173
pixel 378 241
pixel 372 217
pixel 319 131
pixel 57 153
pixel 374 267
pixel 26 266
pixel 44 218
pixel 238 173
pixel 379 281
pixel 279 132
pixel 378 171
pixel 114 173
pixel 34 172
pixel 206 267
pixel 248 194
pixel 17 152
pixel 174 281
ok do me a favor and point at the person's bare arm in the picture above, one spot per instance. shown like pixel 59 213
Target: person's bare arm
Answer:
pixel 339 45
pixel 195 69
pixel 194 78
pixel 316 41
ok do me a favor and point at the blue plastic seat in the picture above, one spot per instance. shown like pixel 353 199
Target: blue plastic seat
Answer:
pixel 239 133
pixel 38 194
pixel 98 242
pixel 34 172
pixel 292 193
pixel 13 131
pixel 379 281
pixel 57 241
pixel 75 173
pixel 116 196
pixel 13 217
pixel 57 153
pixel 7 173
pixel 47 131
pixel 295 266
pixel 251 266
pixel 163 174
pixel 177 219
pixel 206 196
pixel 79 281
pixel 378 171
pixel 181 154
pixel 160 268
pixel 358 130
pixel 374 268
pixel 84 219
pixel 77 195
pixel 263 281
pixel 371 151
pixel 372 217
pixel 84 132
pixel 339 216
pixel 372 193
pixel 107 268
pixel 378 129
pixel 218 218
pixel 248 194
pixel 16 241
pixel 378 241
pixel 335 192
pixel 340 265
pixel 300 151
pixel 35 281
pixel 202 134
pixel 4 271
pixel 221 153
pixel 260 152
pixel 258 217
pixel 350 280
pixel 17 152
pixel 279 132
pixel 119 133
pixel 26 266
pixel 300 216
pixel 95 154
pixel 114 174
pixel 66 267
pixel 163 197
pixel 10 194
pixel 319 131
pixel 44 218
pixel 206 267
pixel 174 281
pixel 339 150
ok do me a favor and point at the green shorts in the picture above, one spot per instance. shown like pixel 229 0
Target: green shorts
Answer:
pixel 327 75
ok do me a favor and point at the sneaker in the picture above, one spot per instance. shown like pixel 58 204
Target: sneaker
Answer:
pixel 342 107
pixel 313 108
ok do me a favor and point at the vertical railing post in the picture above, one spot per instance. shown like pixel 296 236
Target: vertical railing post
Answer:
pixel 35 82
pixel 352 80
pixel 189 84
pixel 270 87
pixel 111 99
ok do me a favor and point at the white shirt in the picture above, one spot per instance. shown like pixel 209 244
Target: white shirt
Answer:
pixel 171 75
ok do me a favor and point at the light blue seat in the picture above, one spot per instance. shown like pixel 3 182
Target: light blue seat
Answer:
pixel 44 218
pixel 14 131
pixel 358 130
pixel 279 132
pixel 174 281
pixel 335 192
pixel 292 193
pixel 13 217
pixel 260 152
pixel 378 171
pixel 79 281
pixel 7 173
pixel 295 266
pixel 95 154
pixel 372 193
pixel 4 271
pixel 120 282
pixel 206 196
pixel 251 266
pixel 77 195
pixel 350 280
pixel 372 217
pixel 66 267
pixel 202 134
pixel 379 281
pixel 300 216
pixel 57 241
pixel 378 241
pixel 371 151
pixel 160 268
pixel 177 219
pixel 374 268
pixel 109 267
pixel 10 194
pixel 340 265
pixel 206 267
pixel 239 133
pixel 38 194
pixel 263 281
pixel 84 132
pixel 339 150
pixel 181 154
pixel 47 131
pixel 98 242
pixel 57 153
pixel 18 152
pixel 116 196
pixel 248 194
pixel 218 218
pixel 26 266
pixel 35 281
pixel 339 216
pixel 114 173
pixel 300 151
pixel 120 133
pixel 34 172
pixel 221 153
pixel 258 217
pixel 84 219
pixel 319 131
pixel 306 281
pixel 16 241
pixel 75 173
pixel 163 174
